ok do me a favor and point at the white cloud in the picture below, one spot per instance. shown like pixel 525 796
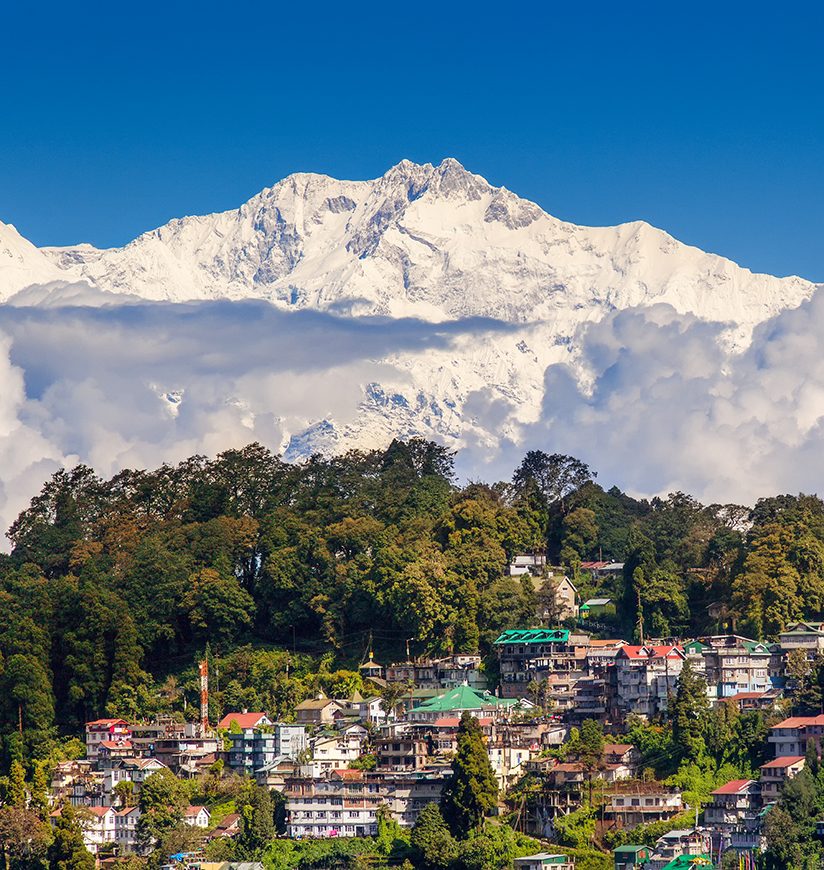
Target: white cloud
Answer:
pixel 661 406
pixel 652 399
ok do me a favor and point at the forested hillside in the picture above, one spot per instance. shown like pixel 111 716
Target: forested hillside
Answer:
pixel 285 574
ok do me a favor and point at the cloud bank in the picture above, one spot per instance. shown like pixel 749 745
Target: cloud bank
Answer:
pixel 650 397
pixel 656 404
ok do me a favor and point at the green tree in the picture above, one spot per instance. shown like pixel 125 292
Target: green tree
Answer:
pixel 434 844
pixel 24 839
pixel 162 801
pixel 16 795
pixel 472 790
pixel 68 851
pixel 257 821
pixel 688 714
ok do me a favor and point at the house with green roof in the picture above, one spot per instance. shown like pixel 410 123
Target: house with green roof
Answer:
pixel 527 654
pixel 465 698
pixel 548 860
pixel 689 862
pixel 631 857
pixel 735 664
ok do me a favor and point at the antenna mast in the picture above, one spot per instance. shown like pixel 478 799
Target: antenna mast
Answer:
pixel 204 697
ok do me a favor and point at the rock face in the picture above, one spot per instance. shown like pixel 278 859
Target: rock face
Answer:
pixel 431 242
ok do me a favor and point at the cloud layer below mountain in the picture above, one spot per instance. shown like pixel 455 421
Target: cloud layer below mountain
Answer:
pixel 652 400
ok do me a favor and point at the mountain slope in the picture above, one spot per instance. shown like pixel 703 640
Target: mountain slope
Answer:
pixel 22 264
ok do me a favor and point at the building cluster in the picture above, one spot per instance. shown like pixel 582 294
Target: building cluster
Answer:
pixel 339 762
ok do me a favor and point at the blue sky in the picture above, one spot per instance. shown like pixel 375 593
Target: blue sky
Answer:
pixel 706 120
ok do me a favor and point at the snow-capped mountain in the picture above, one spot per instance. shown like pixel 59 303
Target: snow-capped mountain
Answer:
pixel 435 243
pixel 428 241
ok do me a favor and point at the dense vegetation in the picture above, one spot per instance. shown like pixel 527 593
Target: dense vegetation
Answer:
pixel 284 574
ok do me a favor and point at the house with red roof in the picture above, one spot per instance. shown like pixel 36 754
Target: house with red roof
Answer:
pixel 99 826
pixel 197 816
pixel 244 721
pixel 731 804
pixel 776 772
pixel 101 730
pixel 644 678
pixel 791 736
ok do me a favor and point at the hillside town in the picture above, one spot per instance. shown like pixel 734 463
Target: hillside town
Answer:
pixel 338 764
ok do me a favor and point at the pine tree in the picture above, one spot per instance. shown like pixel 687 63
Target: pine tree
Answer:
pixel 16 795
pixel 68 851
pixel 688 712
pixel 472 790
pixel 258 821
pixel 432 840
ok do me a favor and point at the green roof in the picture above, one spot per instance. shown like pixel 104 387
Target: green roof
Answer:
pixel 533 635
pixel 688 862
pixel 463 698
pixel 753 646
pixel 632 849
pixel 696 645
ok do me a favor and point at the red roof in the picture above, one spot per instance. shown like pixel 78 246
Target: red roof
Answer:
pixel 346 773
pixel 116 744
pixel 783 761
pixel 230 821
pixel 103 722
pixel 734 786
pixel 650 652
pixel 191 812
pixel 244 720
pixel 743 696
pixel 99 811
pixel 800 722
pixel 588 566
pixel 617 748
pixel 454 722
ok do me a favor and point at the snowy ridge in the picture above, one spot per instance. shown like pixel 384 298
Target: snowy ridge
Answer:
pixel 436 243
pixel 428 241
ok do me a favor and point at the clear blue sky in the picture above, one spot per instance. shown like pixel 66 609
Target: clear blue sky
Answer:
pixel 706 120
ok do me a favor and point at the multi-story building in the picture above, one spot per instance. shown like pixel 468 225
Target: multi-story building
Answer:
pixel 441 674
pixel 133 770
pixel 333 751
pixel 734 664
pixel 633 807
pixel 345 803
pixel 125 830
pixel 775 773
pixel 730 805
pixel 251 749
pixel 105 730
pixel 402 752
pixel 791 736
pixel 99 827
pixel 806 636
pixel 290 740
pixel 589 699
pixel 540 655
pixel 644 679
